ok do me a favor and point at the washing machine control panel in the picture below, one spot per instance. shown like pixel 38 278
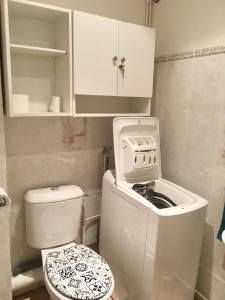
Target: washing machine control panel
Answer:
pixel 137 149
pixel 139 152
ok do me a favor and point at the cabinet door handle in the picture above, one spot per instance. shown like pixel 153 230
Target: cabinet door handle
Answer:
pixel 122 66
pixel 122 69
pixel 115 58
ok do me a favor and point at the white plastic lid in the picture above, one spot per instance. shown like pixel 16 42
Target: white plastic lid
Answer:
pixel 53 194
pixel 137 149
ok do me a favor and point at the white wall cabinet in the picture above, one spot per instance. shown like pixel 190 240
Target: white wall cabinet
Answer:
pixel 112 58
pixel 37 56
pixel 112 62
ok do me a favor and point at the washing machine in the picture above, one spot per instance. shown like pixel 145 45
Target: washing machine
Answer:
pixel 151 229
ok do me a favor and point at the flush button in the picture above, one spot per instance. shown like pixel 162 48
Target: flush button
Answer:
pixel 55 188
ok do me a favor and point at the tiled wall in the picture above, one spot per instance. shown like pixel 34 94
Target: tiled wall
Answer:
pixel 190 102
pixel 44 152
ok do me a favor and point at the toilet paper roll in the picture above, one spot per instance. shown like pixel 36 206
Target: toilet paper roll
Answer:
pixel 20 103
pixel 55 106
pixel 4 203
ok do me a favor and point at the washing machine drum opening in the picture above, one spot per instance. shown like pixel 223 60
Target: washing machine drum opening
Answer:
pixel 159 200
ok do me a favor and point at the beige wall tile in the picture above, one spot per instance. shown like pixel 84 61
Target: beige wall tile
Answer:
pixel 208 90
pixel 45 161
pixel 189 100
pixel 202 138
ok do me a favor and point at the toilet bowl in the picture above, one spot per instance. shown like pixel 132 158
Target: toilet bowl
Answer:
pixel 71 271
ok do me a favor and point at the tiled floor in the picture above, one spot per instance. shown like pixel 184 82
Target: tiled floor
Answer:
pixel 38 294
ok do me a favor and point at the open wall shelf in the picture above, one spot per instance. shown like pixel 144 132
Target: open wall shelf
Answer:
pixel 23 49
pixel 37 56
pixel 98 106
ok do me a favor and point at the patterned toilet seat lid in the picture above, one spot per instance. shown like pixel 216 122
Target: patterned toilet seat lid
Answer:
pixel 78 272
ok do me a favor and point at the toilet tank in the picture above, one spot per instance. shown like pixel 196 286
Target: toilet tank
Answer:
pixel 53 216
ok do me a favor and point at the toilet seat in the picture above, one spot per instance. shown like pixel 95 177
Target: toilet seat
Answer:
pixel 76 272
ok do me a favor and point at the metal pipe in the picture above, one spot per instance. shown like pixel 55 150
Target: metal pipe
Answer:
pixel 148 11
pixel 106 153
pixel 87 220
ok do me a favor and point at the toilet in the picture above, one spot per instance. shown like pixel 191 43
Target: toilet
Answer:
pixel 71 271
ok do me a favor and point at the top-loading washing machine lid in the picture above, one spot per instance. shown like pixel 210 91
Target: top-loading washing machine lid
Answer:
pixel 78 272
pixel 137 149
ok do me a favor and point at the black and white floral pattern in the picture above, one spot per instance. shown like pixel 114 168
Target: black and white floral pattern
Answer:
pixel 78 272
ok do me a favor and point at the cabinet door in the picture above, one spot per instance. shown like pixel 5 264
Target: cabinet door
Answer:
pixel 137 47
pixel 95 47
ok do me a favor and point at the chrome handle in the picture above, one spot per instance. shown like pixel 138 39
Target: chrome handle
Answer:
pixel 122 69
pixel 3 201
pixel 122 66
pixel 115 58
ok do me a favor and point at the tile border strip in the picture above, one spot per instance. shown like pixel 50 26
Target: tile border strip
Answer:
pixel 191 54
